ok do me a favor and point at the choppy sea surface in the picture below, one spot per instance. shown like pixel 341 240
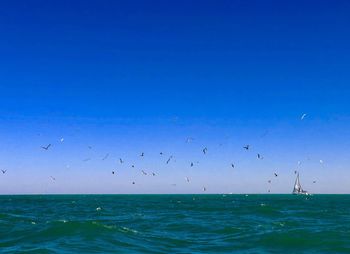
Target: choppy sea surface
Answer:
pixel 175 224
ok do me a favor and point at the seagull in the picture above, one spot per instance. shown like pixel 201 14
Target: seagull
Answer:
pixel 121 161
pixel 269 181
pixel 161 153
pixel 191 164
pixel 133 182
pixel 143 172
pixel 153 174
pixel 105 157
pixel 112 172
pixel 132 166
pixel 321 161
pixel 295 172
pixel 3 171
pixel 314 182
pixel 189 140
pixel 232 165
pixel 259 156
pixel 53 178
pixel 87 159
pixel 269 191
pixel 205 150
pixel 46 147
pixel 167 162
pixel 187 179
pixel 204 189
pixel 275 174
pixel 62 139
pixel 303 116
pixel 246 147
pixel 90 147
pixel 142 154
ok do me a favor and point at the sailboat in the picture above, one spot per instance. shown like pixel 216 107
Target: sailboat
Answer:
pixel 298 190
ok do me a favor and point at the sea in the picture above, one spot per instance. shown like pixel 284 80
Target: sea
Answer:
pixel 174 224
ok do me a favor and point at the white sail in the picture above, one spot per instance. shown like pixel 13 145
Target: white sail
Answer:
pixel 297 187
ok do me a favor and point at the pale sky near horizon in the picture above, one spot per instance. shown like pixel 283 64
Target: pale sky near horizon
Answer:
pixel 143 76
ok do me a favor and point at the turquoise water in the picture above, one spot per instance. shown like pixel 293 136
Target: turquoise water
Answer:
pixel 175 224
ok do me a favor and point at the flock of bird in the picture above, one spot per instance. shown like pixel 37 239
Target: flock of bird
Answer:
pixel 169 159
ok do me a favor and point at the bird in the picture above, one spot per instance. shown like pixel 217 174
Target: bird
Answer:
pixel 142 154
pixel 105 157
pixel 87 159
pixel 53 178
pixel 132 166
pixel 133 182
pixel 46 147
pixel 269 191
pixel 167 162
pixel 246 147
pixel 295 172
pixel 90 147
pixel 205 150
pixel 314 182
pixel 143 172
pixel 269 181
pixel 189 140
pixel 187 179
pixel 259 156
pixel 204 189
pixel 62 139
pixel 161 153
pixel 232 165
pixel 275 174
pixel 121 161
pixel 112 172
pixel 153 174
pixel 3 171
pixel 303 116
pixel 191 164
pixel 321 161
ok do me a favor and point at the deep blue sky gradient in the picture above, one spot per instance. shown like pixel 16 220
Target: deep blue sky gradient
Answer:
pixel 159 71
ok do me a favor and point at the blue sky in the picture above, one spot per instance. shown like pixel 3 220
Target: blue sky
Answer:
pixel 132 76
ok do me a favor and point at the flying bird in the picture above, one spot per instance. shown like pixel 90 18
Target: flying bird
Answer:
pixel 232 165
pixel 303 116
pixel 112 172
pixel 3 171
pixel 46 147
pixel 295 172
pixel 269 181
pixel 167 162
pixel 87 159
pixel 189 140
pixel 53 178
pixel 204 189
pixel 187 179
pixel 142 154
pixel 133 182
pixel 153 174
pixel 143 172
pixel 121 161
pixel 161 153
pixel 246 147
pixel 321 161
pixel 105 157
pixel 314 182
pixel 205 150
pixel 132 166
pixel 191 164
pixel 275 174
pixel 259 156
pixel 62 139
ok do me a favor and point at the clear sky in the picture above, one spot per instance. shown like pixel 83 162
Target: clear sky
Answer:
pixel 126 77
